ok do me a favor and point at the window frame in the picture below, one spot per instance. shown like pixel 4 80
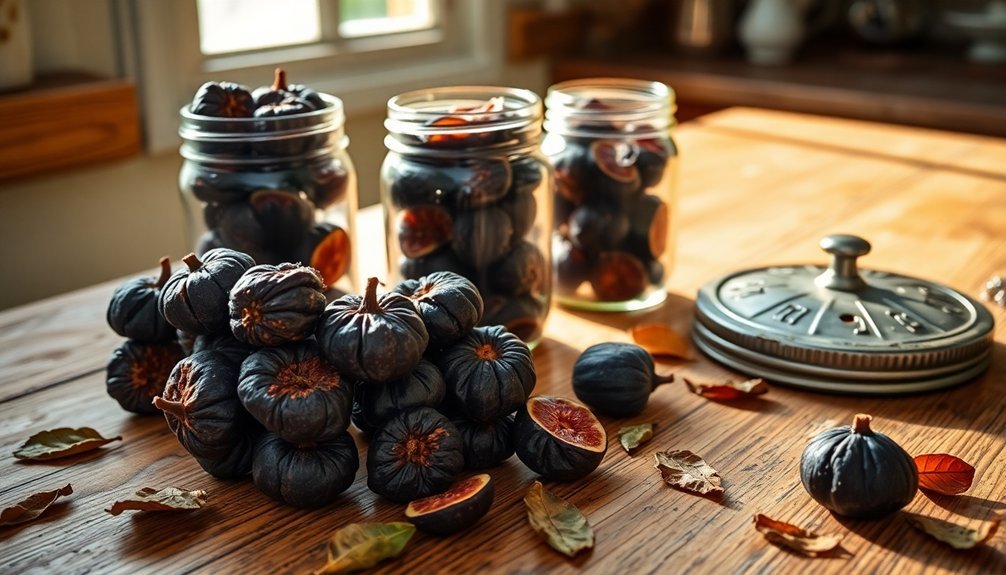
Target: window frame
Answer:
pixel 466 48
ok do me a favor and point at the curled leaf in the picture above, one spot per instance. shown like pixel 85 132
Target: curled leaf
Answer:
pixel 729 390
pixel 661 341
pixel 794 538
pixel 557 521
pixel 956 536
pixel 944 473
pixel 632 436
pixel 61 442
pixel 363 545
pixel 167 499
pixel 685 470
pixel 32 507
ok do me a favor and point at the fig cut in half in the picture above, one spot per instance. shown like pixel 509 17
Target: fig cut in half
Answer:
pixel 454 510
pixel 559 438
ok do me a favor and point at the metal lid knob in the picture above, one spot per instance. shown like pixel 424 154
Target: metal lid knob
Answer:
pixel 843 273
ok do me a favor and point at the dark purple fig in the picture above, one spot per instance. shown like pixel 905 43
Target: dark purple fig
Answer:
pixel 307 476
pixel 296 393
pixel 523 315
pixel 615 174
pixel 273 305
pixel 327 249
pixel 442 260
pixel 370 338
pixel 522 208
pixel 595 229
pixel 274 94
pixel 480 183
pixel 616 379
pixel 201 405
pixel 218 184
pixel 195 298
pixel 652 159
pixel 224 343
pixel 618 276
pixel 222 100
pixel 482 236
pixel 650 222
pixel 572 168
pixel 132 311
pixel 559 438
pixel 522 271
pixel 413 183
pixel 527 174
pixel 137 373
pixel 449 304
pixel 327 182
pixel 454 510
pixel 376 403
pixel 237 462
pixel 571 265
pixel 289 106
pixel 269 220
pixel 423 229
pixel 486 444
pixel 416 454
pixel 489 373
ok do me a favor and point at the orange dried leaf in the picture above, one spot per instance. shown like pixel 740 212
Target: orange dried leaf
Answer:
pixel 796 539
pixel 685 470
pixel 661 341
pixel 956 536
pixel 944 473
pixel 167 499
pixel 729 390
pixel 32 507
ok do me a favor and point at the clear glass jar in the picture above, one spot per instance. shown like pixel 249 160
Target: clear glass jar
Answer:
pixel 466 189
pixel 615 167
pixel 281 189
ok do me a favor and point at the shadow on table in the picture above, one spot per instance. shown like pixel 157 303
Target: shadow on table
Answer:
pixel 56 512
pixel 967 505
pixel 159 534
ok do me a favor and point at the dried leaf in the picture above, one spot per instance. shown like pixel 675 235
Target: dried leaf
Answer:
pixel 956 536
pixel 944 473
pixel 363 545
pixel 729 390
pixel 685 470
pixel 632 436
pixel 662 341
pixel 61 442
pixel 558 522
pixel 167 499
pixel 32 507
pixel 794 538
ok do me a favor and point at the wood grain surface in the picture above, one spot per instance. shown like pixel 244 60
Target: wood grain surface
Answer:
pixel 756 188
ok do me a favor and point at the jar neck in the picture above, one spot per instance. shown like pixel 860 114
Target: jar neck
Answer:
pixel 606 107
pixel 460 121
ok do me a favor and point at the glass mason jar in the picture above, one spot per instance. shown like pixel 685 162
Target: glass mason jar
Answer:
pixel 466 189
pixel 281 189
pixel 615 167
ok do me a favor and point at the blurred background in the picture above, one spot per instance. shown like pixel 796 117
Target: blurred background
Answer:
pixel 90 89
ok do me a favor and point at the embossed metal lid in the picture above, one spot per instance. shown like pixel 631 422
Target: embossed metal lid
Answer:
pixel 841 329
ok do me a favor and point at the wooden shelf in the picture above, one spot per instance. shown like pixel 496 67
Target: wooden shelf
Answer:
pixel 67 120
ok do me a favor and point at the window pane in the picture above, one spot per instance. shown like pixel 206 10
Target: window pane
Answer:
pixel 237 25
pixel 373 17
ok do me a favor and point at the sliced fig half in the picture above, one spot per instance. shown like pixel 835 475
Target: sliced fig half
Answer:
pixel 328 250
pixel 617 160
pixel 423 229
pixel 559 438
pixel 458 508
pixel 650 221
pixel 618 276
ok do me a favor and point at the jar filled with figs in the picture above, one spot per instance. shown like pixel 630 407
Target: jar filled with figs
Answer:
pixel 466 189
pixel 615 164
pixel 266 172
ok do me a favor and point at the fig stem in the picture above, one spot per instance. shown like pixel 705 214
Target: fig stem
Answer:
pixel 861 424
pixel 279 80
pixel 173 407
pixel 193 262
pixel 370 304
pixel 662 379
pixel 165 272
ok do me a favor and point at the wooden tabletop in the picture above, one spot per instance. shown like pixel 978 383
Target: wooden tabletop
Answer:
pixel 756 188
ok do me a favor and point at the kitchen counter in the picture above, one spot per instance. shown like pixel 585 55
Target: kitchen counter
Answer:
pixel 756 188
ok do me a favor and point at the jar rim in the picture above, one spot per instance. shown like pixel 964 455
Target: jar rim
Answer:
pixel 592 107
pixel 413 112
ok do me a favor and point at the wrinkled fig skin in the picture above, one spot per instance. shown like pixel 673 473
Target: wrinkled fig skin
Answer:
pixel 370 338
pixel 273 305
pixel 295 393
pixel 379 402
pixel 201 405
pixel 132 311
pixel 489 373
pixel 548 456
pixel 235 464
pixel 224 343
pixel 615 379
pixel 194 299
pixel 416 454
pixel 449 304
pixel 137 373
pixel 858 474
pixel 486 444
pixel 305 476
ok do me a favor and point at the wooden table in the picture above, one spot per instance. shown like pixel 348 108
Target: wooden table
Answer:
pixel 757 188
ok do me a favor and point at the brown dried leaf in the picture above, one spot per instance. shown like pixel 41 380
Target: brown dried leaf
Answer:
pixel 661 341
pixel 944 473
pixel 362 545
pixel 61 442
pixel 685 470
pixel 32 507
pixel 956 536
pixel 632 436
pixel 729 390
pixel 561 524
pixel 167 499
pixel 796 539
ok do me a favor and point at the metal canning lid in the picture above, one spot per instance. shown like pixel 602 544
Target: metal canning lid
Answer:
pixel 840 329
